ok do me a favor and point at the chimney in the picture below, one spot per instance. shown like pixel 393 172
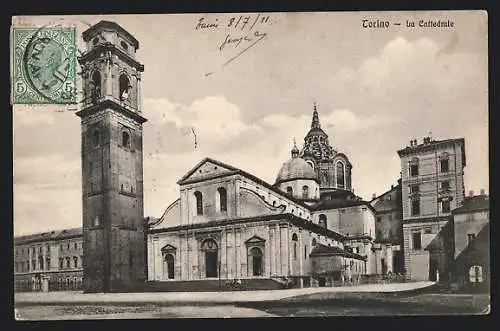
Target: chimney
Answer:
pixel 471 193
pixel 392 186
pixel 482 192
pixel 374 196
pixel 411 143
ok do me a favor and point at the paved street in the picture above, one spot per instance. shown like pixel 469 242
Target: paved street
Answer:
pixel 30 298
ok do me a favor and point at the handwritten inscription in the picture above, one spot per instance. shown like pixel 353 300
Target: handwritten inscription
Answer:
pixel 240 31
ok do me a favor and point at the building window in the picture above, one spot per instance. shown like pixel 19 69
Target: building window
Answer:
pixel 76 245
pixel 305 252
pixel 415 207
pixel 414 189
pixel 445 185
pixel 470 238
pixel 222 198
pixel 47 263
pixel 476 274
pixel 125 139
pixel 445 206
pixel 414 170
pixel 417 240
pixel 444 165
pixel 340 170
pixel 289 190
pixel 124 84
pixel 305 192
pixel 68 263
pixel 96 138
pixel 95 93
pixel 75 262
pixel 322 220
pixel 40 249
pixel 67 246
pixel 294 239
pixel 61 263
pixel 199 203
pixel 33 265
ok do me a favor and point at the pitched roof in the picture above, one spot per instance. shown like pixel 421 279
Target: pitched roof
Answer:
pixel 473 204
pixel 339 203
pixel 322 250
pixel 295 220
pixel 49 236
pixel 234 171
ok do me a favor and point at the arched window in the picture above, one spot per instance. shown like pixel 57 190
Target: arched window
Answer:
pixel 305 192
pixel 199 203
pixel 305 252
pixel 294 239
pixel 289 190
pixel 75 262
pixel 340 170
pixel 95 93
pixel 222 193
pixel 169 260
pixel 322 220
pixel 310 163
pixel 313 243
pixel 125 139
pixel 96 138
pixel 124 87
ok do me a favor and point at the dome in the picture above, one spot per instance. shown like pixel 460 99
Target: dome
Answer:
pixel 295 168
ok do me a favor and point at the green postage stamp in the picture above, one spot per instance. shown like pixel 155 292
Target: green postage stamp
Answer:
pixel 43 65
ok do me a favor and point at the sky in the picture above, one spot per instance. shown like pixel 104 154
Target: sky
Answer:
pixel 375 89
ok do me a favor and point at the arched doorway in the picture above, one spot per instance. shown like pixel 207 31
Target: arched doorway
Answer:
pixel 209 247
pixel 169 261
pixel 257 260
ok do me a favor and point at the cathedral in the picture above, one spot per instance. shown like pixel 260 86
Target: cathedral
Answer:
pixel 307 227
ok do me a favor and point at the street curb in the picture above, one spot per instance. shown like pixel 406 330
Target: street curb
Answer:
pixel 167 303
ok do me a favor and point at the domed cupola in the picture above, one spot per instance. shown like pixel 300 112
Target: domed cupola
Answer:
pixel 297 178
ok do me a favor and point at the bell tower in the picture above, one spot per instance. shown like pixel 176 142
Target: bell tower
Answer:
pixel 112 160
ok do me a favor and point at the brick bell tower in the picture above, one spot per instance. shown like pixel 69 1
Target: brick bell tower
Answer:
pixel 112 161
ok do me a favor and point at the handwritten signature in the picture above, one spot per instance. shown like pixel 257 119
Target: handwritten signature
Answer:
pixel 246 38
pixel 237 41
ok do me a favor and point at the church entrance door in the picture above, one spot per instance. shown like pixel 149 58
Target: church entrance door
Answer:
pixel 256 254
pixel 210 248
pixel 211 264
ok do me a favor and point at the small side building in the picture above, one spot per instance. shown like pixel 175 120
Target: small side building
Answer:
pixel 471 265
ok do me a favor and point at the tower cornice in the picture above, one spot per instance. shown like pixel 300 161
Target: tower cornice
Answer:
pixel 110 104
pixel 106 47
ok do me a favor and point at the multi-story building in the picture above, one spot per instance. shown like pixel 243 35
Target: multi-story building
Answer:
pixel 49 260
pixel 432 185
pixel 388 230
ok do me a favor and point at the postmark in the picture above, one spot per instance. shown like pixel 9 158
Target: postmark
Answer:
pixel 43 65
